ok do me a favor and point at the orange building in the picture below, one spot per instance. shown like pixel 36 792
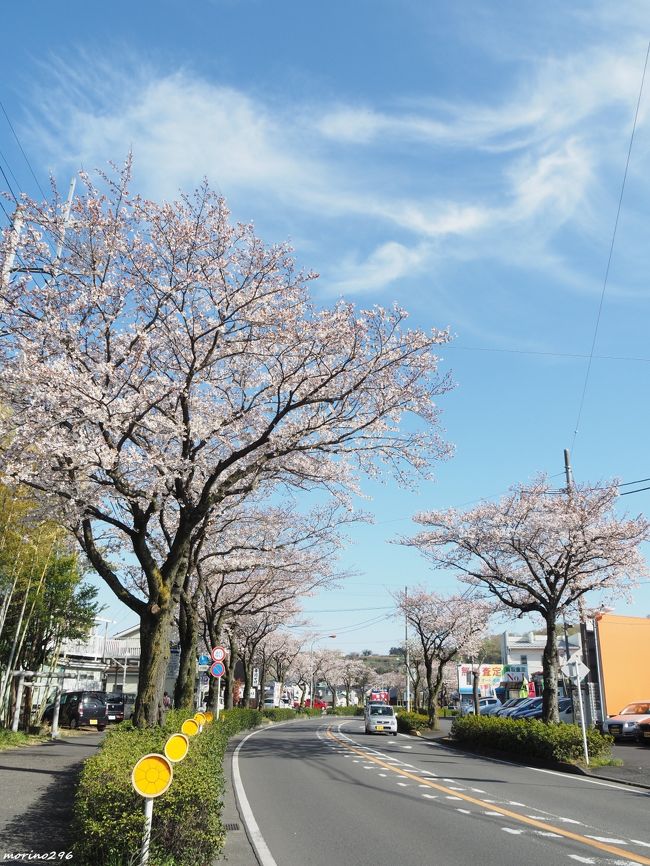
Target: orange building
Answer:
pixel 623 646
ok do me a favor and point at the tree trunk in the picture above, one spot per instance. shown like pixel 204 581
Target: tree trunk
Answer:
pixel 230 676
pixel 155 629
pixel 188 633
pixel 475 695
pixel 431 701
pixel 550 711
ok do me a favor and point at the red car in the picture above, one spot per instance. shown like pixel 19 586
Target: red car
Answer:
pixel 318 704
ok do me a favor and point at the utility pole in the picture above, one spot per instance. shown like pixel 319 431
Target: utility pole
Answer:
pixel 406 656
pixel 567 471
pixel 578 685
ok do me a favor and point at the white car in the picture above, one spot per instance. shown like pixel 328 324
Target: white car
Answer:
pixel 625 725
pixel 381 718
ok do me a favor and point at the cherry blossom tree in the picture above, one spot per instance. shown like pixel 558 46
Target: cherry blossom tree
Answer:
pixel 445 627
pixel 355 674
pixel 247 560
pixel 158 361
pixel 540 551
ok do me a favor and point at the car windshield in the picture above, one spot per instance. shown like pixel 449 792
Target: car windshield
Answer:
pixel 381 711
pixel 636 709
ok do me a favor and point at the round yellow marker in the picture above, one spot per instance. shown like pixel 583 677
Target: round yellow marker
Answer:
pixel 209 716
pixel 200 718
pixel 176 747
pixel 190 727
pixel 152 775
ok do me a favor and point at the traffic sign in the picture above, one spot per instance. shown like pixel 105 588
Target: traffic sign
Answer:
pixel 218 669
pixel 218 653
pixel 204 659
pixel 575 667
pixel 152 775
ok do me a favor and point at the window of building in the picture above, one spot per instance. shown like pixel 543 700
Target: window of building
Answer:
pixel 523 660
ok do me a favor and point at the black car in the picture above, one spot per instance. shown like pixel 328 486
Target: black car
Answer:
pixel 119 706
pixel 80 708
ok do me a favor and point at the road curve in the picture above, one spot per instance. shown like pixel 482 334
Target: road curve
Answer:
pixel 320 791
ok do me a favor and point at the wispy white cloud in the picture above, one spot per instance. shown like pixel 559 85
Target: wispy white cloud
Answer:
pixel 523 166
pixel 385 265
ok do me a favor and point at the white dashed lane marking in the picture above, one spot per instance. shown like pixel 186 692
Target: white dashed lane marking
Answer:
pixel 607 839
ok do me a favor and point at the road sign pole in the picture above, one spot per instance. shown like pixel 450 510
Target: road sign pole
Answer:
pixel 146 833
pixel 218 696
pixel 582 715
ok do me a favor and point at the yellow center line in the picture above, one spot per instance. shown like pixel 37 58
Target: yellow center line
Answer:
pixel 523 819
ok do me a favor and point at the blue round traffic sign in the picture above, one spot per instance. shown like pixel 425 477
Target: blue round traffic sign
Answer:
pixel 218 669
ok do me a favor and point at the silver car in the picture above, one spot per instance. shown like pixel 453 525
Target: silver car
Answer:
pixel 625 725
pixel 381 718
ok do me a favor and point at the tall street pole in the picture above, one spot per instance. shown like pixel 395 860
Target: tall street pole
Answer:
pixel 407 656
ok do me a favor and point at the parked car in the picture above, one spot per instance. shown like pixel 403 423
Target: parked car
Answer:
pixel 565 707
pixel 380 718
pixel 625 725
pixel 519 703
pixel 80 708
pixel 510 704
pixel 531 705
pixel 644 732
pixel 318 704
pixel 119 706
pixel 486 706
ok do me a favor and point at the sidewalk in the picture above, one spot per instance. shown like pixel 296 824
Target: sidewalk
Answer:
pixel 39 783
pixel 635 757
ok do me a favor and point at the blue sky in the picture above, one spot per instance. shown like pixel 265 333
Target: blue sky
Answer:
pixel 465 160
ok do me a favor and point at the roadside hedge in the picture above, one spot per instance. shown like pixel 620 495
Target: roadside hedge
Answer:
pixel 407 722
pixel 530 739
pixel 187 829
pixel 345 711
pixel 279 714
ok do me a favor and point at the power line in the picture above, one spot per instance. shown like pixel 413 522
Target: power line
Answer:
pixel 29 165
pixel 611 252
pixel 547 354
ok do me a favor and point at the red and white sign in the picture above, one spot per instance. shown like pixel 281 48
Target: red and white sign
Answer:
pixel 218 654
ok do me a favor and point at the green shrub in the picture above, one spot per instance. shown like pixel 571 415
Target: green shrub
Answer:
pixel 530 738
pixel 11 739
pixel 345 711
pixel 407 722
pixel 279 714
pixel 187 828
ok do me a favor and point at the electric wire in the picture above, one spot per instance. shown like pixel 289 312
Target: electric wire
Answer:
pixel 29 165
pixel 577 355
pixel 611 252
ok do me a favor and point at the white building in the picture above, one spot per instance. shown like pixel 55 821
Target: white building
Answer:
pixel 527 649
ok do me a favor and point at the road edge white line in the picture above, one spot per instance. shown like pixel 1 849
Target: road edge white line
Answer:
pixel 252 829
pixel 619 786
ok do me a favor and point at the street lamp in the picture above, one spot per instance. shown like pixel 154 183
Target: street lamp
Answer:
pixel 311 665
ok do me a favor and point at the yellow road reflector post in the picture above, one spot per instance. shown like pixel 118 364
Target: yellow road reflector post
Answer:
pixel 176 747
pixel 209 716
pixel 190 727
pixel 200 719
pixel 151 777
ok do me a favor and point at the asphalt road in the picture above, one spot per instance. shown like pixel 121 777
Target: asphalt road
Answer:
pixel 37 789
pixel 321 792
